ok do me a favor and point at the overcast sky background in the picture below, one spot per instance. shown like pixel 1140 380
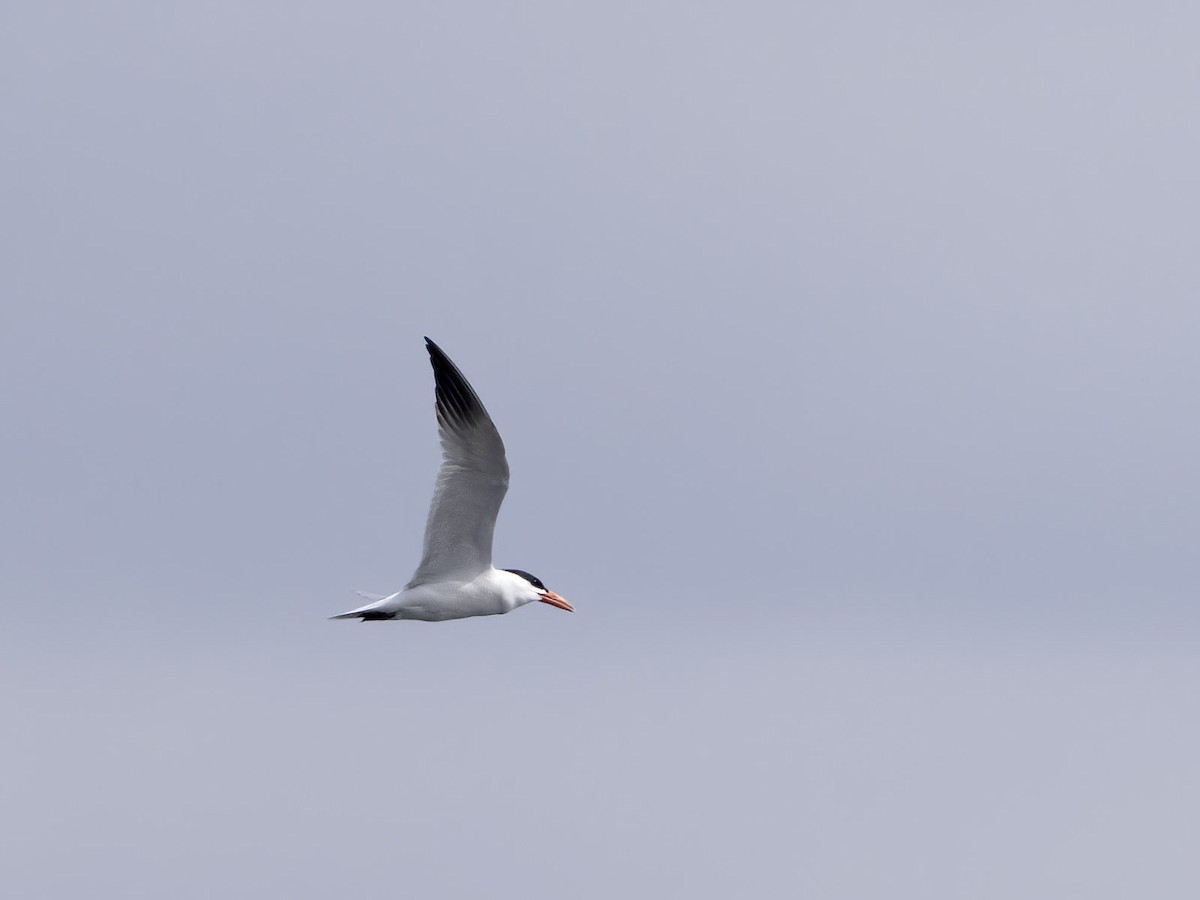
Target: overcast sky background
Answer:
pixel 846 356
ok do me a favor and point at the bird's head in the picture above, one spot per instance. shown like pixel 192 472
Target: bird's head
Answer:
pixel 533 589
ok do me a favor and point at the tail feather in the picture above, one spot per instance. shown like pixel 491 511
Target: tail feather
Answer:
pixel 367 613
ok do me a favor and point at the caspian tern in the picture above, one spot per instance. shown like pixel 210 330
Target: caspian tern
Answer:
pixel 456 578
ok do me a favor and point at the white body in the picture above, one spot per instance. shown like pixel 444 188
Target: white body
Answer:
pixel 490 593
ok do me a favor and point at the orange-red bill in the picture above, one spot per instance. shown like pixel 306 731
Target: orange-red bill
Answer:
pixel 554 600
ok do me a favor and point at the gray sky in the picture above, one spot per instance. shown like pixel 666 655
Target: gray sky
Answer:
pixel 846 359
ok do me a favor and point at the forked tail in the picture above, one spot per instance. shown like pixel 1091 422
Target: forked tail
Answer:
pixel 367 613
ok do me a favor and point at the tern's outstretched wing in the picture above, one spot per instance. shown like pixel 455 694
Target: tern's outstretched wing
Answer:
pixel 471 483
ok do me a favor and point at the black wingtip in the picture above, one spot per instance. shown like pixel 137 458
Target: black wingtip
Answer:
pixel 457 402
pixel 435 352
pixel 439 358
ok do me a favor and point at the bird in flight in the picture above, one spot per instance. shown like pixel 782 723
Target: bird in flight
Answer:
pixel 456 578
